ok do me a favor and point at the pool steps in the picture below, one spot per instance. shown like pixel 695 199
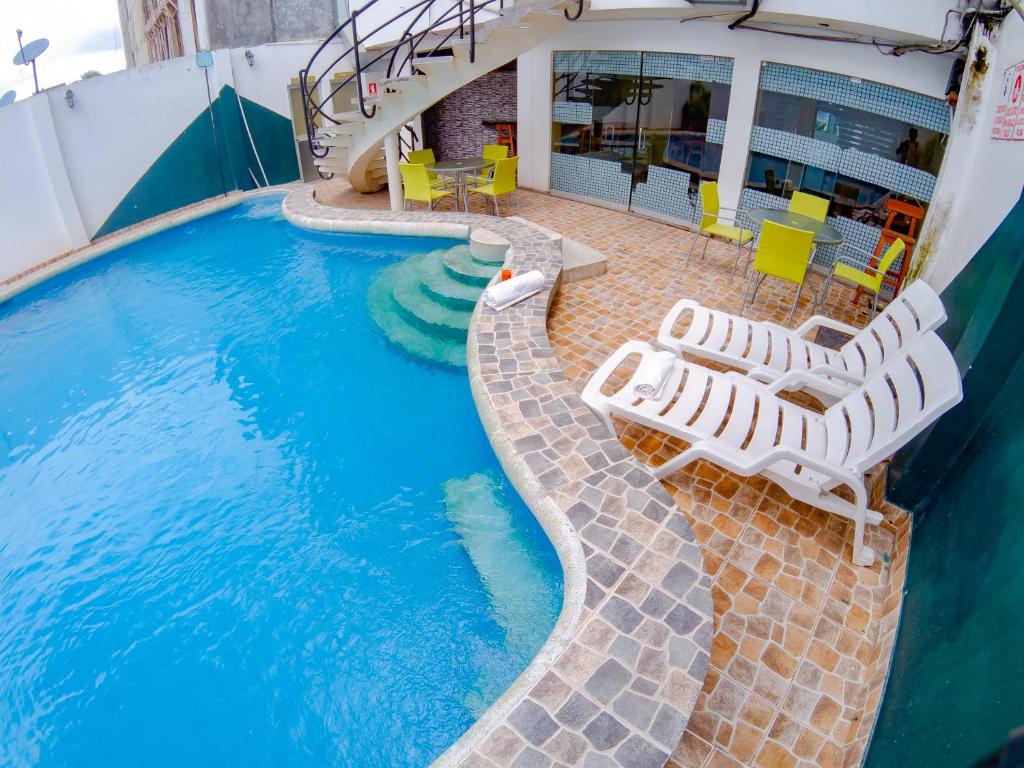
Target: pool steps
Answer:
pixel 424 304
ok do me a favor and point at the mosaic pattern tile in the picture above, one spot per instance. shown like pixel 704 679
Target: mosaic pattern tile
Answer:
pixel 716 131
pixel 684 66
pixel 897 103
pixel 666 193
pixel 572 112
pixel 592 177
pixel 605 62
pixel 849 162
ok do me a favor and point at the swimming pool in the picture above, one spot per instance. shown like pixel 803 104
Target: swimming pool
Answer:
pixel 237 526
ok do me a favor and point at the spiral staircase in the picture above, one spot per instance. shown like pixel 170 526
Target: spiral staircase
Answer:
pixel 395 81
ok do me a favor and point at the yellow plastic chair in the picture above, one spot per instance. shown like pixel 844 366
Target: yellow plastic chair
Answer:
pixel 503 183
pixel 494 153
pixel 783 252
pixel 417 186
pixel 860 272
pixel 426 157
pixel 711 224
pixel 809 205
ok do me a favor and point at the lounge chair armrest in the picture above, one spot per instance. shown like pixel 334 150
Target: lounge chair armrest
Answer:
pixel 821 321
pixel 754 464
pixel 665 337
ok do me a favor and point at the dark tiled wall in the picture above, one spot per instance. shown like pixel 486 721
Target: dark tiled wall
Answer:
pixel 452 127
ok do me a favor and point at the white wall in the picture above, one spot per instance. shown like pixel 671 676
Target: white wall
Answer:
pixel 981 178
pixel 121 123
pixel 66 169
pixel 38 217
pixel 916 72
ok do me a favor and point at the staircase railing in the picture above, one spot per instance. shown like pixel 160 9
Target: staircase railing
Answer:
pixel 401 55
pixel 407 143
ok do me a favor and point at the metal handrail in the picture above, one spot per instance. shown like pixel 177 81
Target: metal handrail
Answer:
pixel 312 107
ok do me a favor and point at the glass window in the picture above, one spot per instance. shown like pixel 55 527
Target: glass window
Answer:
pixel 636 129
pixel 859 143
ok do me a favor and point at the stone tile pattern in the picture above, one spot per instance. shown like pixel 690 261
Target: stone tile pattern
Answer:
pixel 453 127
pixel 789 550
pixel 803 638
pixel 621 689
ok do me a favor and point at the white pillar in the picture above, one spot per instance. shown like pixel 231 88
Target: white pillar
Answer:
pixel 394 172
pixel 746 76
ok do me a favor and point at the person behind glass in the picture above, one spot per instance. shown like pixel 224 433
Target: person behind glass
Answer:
pixel 909 150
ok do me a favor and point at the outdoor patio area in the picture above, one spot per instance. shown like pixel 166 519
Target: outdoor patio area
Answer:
pixel 803 637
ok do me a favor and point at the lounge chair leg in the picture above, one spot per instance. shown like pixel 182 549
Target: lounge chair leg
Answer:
pixel 496 212
pixel 430 205
pixel 796 300
pixel 517 199
pixel 874 304
pixel 704 253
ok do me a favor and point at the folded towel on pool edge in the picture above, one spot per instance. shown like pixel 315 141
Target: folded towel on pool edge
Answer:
pixel 651 375
pixel 508 292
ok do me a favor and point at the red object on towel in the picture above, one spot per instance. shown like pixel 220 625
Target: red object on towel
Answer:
pixel 506 274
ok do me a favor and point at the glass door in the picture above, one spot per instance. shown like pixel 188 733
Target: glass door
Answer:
pixel 638 130
pixel 595 124
pixel 679 117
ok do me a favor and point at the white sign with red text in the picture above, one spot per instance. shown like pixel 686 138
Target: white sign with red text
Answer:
pixel 1009 121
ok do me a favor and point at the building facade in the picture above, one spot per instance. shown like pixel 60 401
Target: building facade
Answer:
pixel 158 30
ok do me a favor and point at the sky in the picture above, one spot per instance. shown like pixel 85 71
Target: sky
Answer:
pixel 83 34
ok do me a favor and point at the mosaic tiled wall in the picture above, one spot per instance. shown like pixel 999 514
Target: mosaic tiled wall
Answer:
pixel 716 131
pixel 590 177
pixel 454 126
pixel 888 100
pixel 667 193
pixel 848 162
pixel 683 66
pixel 607 62
pixel 572 112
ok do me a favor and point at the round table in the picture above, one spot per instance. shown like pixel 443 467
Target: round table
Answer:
pixel 458 170
pixel 824 233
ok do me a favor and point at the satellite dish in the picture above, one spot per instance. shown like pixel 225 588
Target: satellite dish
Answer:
pixel 8 98
pixel 29 53
pixel 204 59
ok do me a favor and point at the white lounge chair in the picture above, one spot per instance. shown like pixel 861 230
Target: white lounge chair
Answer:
pixel 742 425
pixel 771 353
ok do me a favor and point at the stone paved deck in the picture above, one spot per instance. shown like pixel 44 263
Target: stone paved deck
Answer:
pixel 802 637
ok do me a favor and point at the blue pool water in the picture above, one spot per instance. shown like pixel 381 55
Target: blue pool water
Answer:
pixel 236 526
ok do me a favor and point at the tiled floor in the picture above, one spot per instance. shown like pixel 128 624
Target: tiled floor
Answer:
pixel 802 636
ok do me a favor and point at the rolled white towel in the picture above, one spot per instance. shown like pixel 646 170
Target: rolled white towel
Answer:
pixel 652 373
pixel 508 292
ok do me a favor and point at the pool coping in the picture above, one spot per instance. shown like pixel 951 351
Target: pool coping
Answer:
pixel 619 677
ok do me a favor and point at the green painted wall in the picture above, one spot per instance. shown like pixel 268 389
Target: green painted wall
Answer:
pixel 957 683
pixel 189 170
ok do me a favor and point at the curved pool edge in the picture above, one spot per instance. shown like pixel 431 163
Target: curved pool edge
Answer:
pixel 42 272
pixel 619 677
